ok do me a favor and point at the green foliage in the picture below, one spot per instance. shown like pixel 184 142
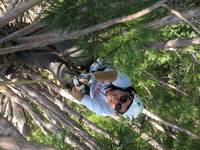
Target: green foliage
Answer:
pixel 77 14
pixel 55 140
pixel 126 46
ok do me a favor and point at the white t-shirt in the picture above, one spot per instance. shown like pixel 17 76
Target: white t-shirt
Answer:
pixel 97 101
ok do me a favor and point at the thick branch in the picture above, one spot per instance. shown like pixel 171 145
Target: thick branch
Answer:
pixel 16 11
pixel 69 110
pixel 7 129
pixel 19 119
pixel 182 18
pixel 176 43
pixel 61 36
pixel 157 118
pixel 40 120
pixel 22 32
pixel 173 19
pixel 56 110
pixel 8 143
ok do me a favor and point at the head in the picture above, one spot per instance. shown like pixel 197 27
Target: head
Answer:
pixel 125 103
pixel 119 100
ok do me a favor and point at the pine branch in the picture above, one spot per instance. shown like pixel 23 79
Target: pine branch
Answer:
pixel 55 37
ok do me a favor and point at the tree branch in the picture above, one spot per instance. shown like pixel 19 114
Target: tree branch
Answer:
pixel 175 43
pixel 18 10
pixel 59 36
pixel 160 120
pixel 173 19
pixel 22 32
pixel 181 17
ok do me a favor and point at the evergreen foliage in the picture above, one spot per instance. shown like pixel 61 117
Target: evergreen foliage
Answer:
pixel 126 46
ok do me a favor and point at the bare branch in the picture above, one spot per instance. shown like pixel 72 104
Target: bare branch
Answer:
pixel 18 10
pixel 160 120
pixel 173 19
pixel 69 110
pixel 56 110
pixel 58 36
pixel 19 119
pixel 181 17
pixel 9 143
pixel 176 43
pixel 165 84
pixel 7 129
pixel 22 32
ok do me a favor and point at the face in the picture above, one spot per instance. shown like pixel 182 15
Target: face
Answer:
pixel 116 97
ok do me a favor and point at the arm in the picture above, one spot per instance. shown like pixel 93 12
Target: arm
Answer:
pixel 109 76
pixel 99 107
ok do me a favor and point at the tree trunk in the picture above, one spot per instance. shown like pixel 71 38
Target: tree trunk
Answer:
pixel 173 19
pixel 9 143
pixel 22 32
pixel 7 129
pixel 55 37
pixel 16 11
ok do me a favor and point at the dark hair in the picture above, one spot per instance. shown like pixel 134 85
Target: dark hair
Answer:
pixel 129 89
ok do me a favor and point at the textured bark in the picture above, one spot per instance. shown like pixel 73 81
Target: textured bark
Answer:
pixel 56 110
pixel 22 32
pixel 176 43
pixel 183 18
pixel 54 37
pixel 81 118
pixel 19 119
pixel 173 19
pixel 75 143
pixel 16 11
pixel 144 136
pixel 39 119
pixel 8 143
pixel 7 129
pixel 176 127
pixel 1 103
pixel 7 108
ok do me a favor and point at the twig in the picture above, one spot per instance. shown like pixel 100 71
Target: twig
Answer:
pixel 165 84
pixel 59 36
pixel 157 118
pixel 181 17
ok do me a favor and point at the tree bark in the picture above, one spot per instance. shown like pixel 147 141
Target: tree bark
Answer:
pixel 176 43
pixel 183 18
pixel 19 119
pixel 16 11
pixel 56 110
pixel 84 120
pixel 25 31
pixel 39 119
pixel 151 76
pixel 7 129
pixel 160 120
pixel 9 143
pixel 173 19
pixel 54 37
